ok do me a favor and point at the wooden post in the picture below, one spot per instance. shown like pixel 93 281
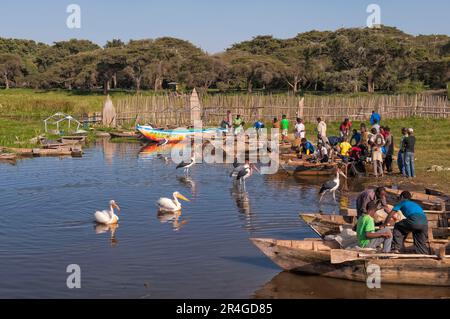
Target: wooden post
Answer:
pixel 301 106
pixel 195 107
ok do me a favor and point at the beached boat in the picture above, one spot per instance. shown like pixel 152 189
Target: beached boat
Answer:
pixel 315 257
pixel 325 225
pixel 428 202
pixel 305 168
pixel 133 135
pixel 171 136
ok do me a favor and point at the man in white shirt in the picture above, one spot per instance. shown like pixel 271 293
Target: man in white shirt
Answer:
pixel 300 130
pixel 322 130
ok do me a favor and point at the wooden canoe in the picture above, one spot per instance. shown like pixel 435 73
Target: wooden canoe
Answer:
pixel 133 135
pixel 304 168
pixel 325 225
pixel 428 202
pixel 314 257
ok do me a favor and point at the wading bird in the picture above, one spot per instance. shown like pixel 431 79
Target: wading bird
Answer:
pixel 107 217
pixel 186 165
pixel 245 172
pixel 171 205
pixel 331 186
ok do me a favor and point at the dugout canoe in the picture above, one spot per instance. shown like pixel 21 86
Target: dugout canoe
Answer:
pixel 324 225
pixel 172 136
pixel 131 135
pixel 304 168
pixel 313 257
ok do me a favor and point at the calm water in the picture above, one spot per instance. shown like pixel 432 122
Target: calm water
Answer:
pixel 46 223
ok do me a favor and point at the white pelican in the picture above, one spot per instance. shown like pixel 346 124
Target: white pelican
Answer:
pixel 331 186
pixel 186 165
pixel 171 205
pixel 107 217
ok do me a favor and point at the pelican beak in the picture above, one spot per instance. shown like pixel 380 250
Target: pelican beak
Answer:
pixel 182 197
pixel 256 169
pixel 117 206
pixel 343 175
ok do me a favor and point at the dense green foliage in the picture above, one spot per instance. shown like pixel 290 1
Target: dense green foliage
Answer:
pixel 347 60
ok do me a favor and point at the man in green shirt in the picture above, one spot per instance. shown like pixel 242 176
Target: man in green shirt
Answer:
pixel 284 128
pixel 238 125
pixel 367 236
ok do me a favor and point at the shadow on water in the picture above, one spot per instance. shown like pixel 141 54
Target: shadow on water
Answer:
pixel 295 286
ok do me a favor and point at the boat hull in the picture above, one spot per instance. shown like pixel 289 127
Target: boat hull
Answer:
pixel 171 136
pixel 314 257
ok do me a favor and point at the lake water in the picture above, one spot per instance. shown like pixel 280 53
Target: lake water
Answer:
pixel 46 224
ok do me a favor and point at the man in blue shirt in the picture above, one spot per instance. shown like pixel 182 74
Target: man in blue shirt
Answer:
pixel 416 223
pixel 306 147
pixel 375 118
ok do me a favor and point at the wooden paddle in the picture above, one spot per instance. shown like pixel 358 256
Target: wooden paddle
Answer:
pixel 339 256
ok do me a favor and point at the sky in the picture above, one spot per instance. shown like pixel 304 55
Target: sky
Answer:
pixel 212 25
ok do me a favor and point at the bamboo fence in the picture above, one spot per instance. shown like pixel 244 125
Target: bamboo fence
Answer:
pixel 174 110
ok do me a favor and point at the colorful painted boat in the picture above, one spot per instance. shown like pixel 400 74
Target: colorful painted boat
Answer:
pixel 172 136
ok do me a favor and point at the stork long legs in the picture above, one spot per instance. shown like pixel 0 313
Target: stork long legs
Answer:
pixel 323 194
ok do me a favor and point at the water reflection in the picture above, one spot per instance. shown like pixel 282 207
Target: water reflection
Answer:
pixel 295 286
pixel 189 183
pixel 172 218
pixel 102 229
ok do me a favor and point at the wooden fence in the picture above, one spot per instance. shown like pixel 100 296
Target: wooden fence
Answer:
pixel 172 110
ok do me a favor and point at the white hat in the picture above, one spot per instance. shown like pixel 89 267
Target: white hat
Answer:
pixel 410 130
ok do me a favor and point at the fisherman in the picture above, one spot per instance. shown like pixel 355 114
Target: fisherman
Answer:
pixel 276 123
pixel 377 142
pixel 389 146
pixel 376 126
pixel 306 147
pixel 238 125
pixel 401 153
pixel 284 128
pixel 259 125
pixel 367 236
pixel 356 136
pixel 300 130
pixel 365 136
pixel 408 146
pixel 416 223
pixel 345 128
pixel 375 118
pixel 322 130
pixel 377 195
pixel 344 148
pixel 321 153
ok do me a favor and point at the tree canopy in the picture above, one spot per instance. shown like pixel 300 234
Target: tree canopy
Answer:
pixel 346 60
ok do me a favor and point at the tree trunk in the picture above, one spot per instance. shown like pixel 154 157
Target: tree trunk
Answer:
pixel 114 78
pixel 138 84
pixel 5 77
pixel 249 86
pixel 370 84
pixel 106 86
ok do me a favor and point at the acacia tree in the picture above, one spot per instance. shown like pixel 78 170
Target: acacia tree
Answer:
pixel 110 62
pixel 10 66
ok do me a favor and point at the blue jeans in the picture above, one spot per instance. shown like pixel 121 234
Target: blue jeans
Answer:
pixel 401 163
pixel 409 164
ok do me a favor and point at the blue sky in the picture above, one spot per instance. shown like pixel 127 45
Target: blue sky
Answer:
pixel 212 25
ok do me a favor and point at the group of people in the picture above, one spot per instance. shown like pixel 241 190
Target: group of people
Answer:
pixel 373 144
pixel 380 236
